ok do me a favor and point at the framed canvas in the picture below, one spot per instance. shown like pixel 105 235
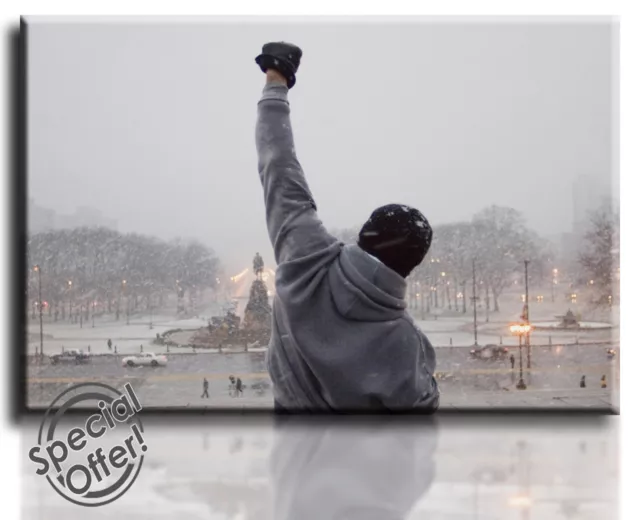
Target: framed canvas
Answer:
pixel 443 236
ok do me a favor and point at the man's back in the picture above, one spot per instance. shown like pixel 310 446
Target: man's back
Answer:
pixel 342 339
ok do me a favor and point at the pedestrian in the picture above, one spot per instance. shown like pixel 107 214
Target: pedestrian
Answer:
pixel 239 387
pixel 205 388
pixel 513 361
pixel 603 381
pixel 232 386
pixel 109 344
pixel 331 294
pixel 583 381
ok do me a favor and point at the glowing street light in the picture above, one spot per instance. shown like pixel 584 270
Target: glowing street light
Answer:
pixel 520 329
pixel 443 273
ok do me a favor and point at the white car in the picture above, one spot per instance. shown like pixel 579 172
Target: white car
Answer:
pixel 144 359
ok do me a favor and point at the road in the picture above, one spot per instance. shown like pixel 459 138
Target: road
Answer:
pixel 555 371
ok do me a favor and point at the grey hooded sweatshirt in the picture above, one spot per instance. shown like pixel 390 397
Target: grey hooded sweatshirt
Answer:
pixel 341 338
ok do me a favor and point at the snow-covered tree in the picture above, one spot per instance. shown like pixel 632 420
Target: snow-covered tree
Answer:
pixel 257 313
pixel 600 254
pixel 85 265
pixel 502 241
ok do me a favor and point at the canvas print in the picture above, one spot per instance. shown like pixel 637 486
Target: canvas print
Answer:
pixel 340 215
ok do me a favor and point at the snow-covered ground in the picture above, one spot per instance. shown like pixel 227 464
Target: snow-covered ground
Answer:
pixel 127 338
pixel 453 329
pixel 443 332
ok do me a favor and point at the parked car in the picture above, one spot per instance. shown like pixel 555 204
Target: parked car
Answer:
pixel 489 352
pixel 70 356
pixel 144 359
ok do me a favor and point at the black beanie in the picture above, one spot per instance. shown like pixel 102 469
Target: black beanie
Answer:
pixel 399 236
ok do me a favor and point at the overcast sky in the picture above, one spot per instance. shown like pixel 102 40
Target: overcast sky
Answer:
pixel 153 123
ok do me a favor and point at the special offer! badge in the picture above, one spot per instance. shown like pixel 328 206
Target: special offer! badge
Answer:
pixel 96 462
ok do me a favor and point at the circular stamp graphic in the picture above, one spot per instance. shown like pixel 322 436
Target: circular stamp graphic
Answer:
pixel 99 458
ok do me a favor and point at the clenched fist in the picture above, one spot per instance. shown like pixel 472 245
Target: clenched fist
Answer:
pixel 282 57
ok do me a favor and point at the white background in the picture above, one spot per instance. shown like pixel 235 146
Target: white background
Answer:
pixel 11 456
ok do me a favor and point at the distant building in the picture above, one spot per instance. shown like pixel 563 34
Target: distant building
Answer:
pixel 85 216
pixel 41 219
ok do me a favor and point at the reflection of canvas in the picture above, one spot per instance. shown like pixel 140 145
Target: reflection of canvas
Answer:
pixel 461 468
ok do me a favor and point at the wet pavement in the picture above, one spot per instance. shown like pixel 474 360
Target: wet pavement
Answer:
pixel 553 379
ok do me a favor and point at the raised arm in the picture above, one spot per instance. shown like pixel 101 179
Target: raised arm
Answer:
pixel 292 221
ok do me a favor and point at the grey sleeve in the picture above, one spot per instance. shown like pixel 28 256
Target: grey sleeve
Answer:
pixel 292 221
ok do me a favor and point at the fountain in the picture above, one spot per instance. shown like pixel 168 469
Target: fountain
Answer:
pixel 571 322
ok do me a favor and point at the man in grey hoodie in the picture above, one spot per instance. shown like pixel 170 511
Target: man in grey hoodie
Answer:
pixel 341 338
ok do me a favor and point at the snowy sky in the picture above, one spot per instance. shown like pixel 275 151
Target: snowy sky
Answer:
pixel 153 123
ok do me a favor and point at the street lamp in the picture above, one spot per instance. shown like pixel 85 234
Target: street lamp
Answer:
pixel 520 329
pixel 525 316
pixel 69 284
pixel 124 286
pixel 150 310
pixel 38 270
pixel 474 298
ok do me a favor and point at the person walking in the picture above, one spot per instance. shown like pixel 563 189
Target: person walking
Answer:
pixel 109 343
pixel 513 361
pixel 205 388
pixel 603 381
pixel 341 338
pixel 239 387
pixel 583 381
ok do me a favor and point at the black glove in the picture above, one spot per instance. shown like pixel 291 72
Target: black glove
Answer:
pixel 283 57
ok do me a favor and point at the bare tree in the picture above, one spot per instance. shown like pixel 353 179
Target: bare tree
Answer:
pixel 503 244
pixel 600 254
